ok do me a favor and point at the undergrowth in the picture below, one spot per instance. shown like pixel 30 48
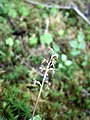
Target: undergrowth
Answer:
pixel 25 33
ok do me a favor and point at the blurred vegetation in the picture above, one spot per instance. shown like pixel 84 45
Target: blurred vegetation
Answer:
pixel 26 31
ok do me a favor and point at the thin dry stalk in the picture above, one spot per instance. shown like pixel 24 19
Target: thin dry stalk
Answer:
pixel 44 78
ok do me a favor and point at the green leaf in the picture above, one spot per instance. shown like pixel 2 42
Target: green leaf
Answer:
pixel 12 13
pixel 17 42
pixel 53 11
pixel 82 45
pixel 2 118
pixel 88 37
pixel 23 10
pixel 11 53
pixel 84 63
pixel 37 117
pixel 80 36
pixel 61 32
pixel 9 42
pixel 46 38
pixel 63 57
pixel 68 62
pixel 33 40
pixel 41 6
pixel 73 44
pixel 44 15
pixel 86 57
pixel 60 65
pixel 75 52
pixel 56 48
pixel 2 53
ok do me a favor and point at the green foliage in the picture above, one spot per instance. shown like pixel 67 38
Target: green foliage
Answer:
pixel 68 63
pixel 53 11
pixel 2 118
pixel 17 73
pixel 46 38
pixel 36 59
pixel 9 7
pixel 21 56
pixel 17 108
pixel 64 62
pixel 80 37
pixel 88 37
pixel 77 44
pixel 23 10
pixel 37 117
pixel 56 48
pixel 6 9
pixel 17 46
pixel 63 57
pixel 33 41
pixel 9 42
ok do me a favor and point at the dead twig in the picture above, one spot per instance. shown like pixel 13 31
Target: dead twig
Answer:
pixel 46 72
pixel 47 25
pixel 70 6
pixel 50 62
pixel 47 6
pixel 76 9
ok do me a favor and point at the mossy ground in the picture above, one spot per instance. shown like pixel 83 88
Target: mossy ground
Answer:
pixel 22 50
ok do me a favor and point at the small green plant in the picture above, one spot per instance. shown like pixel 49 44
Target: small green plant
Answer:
pixel 9 42
pixel 19 72
pixel 23 10
pixel 33 41
pixel 64 61
pixel 46 38
pixel 13 105
pixel 53 11
pixel 56 47
pixel 85 61
pixel 12 11
pixel 78 44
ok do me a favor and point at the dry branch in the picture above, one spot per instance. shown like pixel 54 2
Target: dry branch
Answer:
pixel 70 6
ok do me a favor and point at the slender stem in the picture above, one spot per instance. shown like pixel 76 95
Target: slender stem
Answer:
pixel 44 78
pixel 47 25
